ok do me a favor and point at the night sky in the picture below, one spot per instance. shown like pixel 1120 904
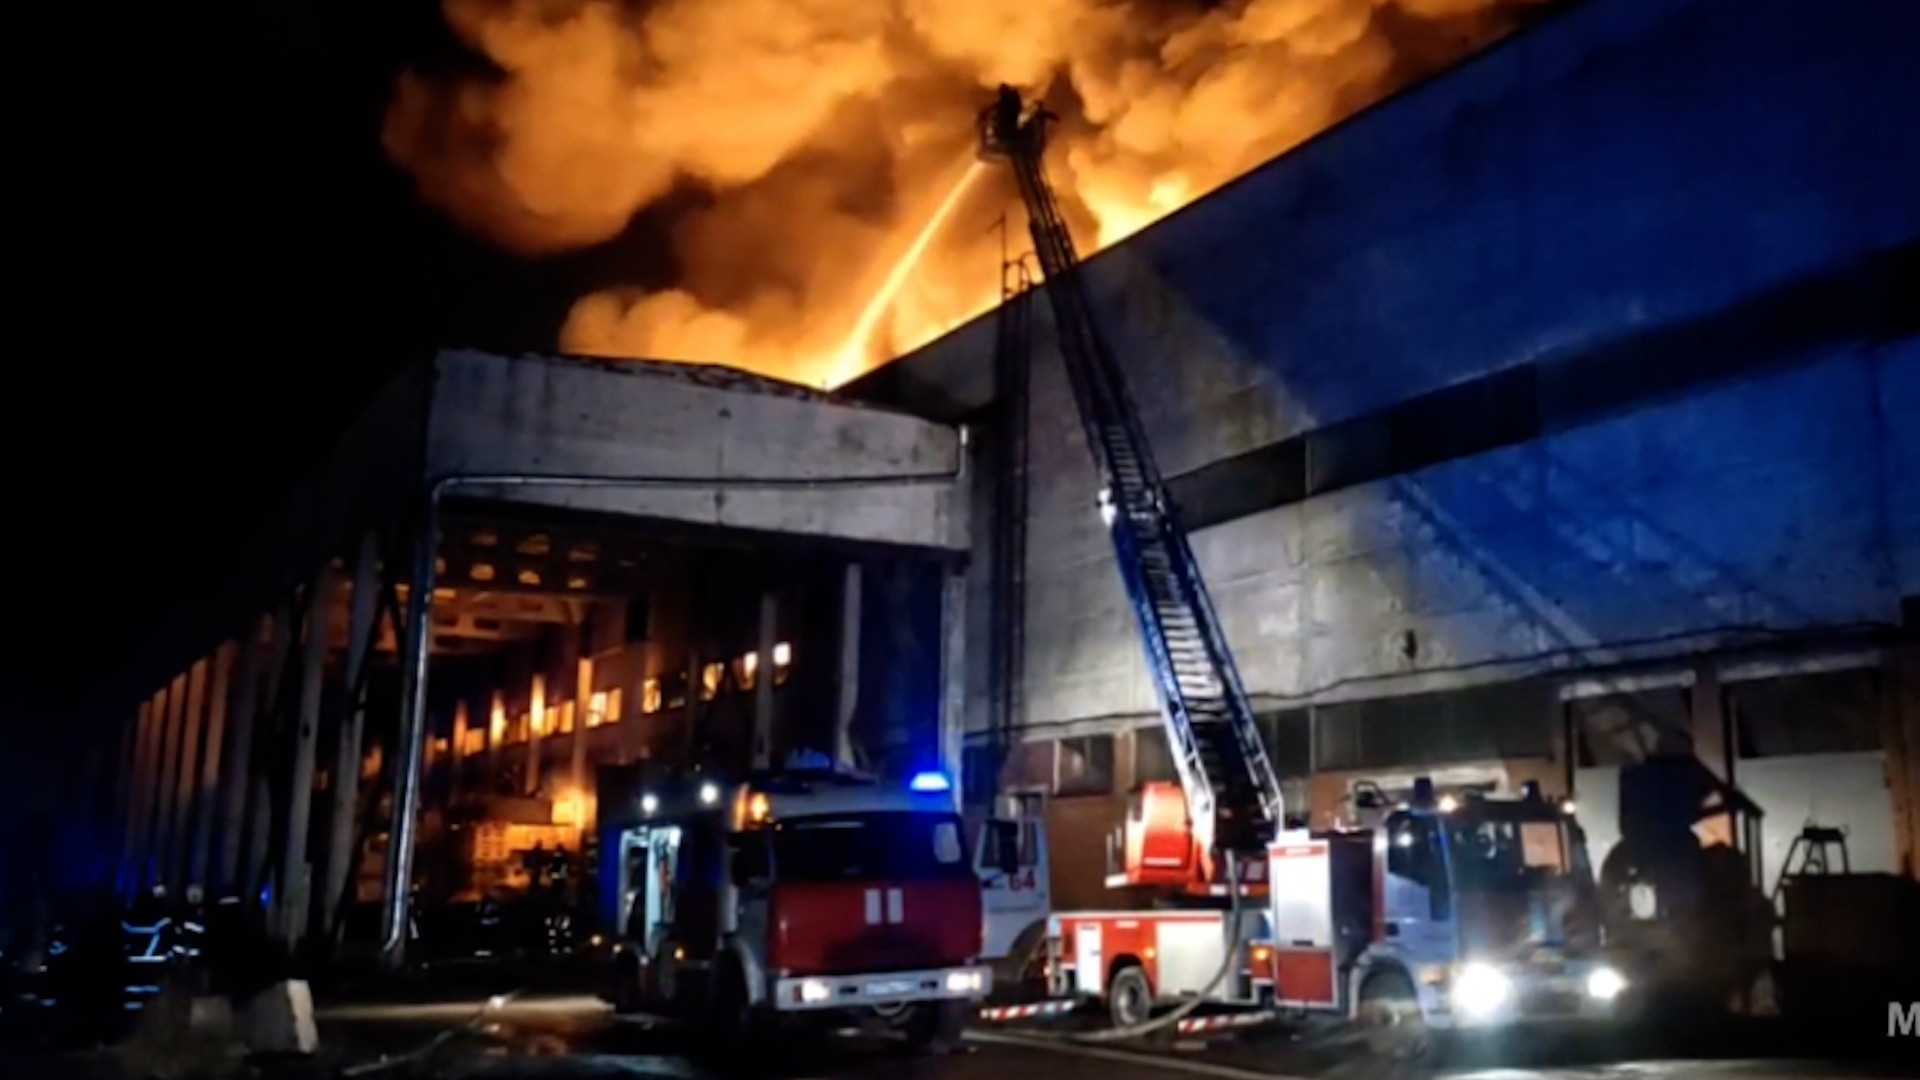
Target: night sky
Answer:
pixel 221 266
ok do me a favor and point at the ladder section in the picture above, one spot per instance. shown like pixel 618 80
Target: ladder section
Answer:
pixel 1233 797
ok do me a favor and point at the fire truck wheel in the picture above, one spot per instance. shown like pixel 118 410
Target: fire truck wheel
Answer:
pixel 1389 1016
pixel 733 1022
pixel 626 986
pixel 932 1027
pixel 1129 997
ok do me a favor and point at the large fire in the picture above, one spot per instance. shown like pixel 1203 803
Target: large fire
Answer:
pixel 841 221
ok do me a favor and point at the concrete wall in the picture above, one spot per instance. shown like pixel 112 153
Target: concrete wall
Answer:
pixel 493 415
pixel 1629 175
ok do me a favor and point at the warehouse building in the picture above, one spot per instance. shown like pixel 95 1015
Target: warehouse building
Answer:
pixel 1560 404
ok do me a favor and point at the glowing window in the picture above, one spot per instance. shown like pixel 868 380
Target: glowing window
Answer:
pixel 650 696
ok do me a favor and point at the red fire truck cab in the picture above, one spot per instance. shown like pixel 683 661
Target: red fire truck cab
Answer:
pixel 807 897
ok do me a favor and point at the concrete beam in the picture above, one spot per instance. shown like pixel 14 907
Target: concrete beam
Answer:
pixel 496 416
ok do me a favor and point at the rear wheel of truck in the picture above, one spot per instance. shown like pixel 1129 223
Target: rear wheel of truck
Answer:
pixel 1389 1017
pixel 1129 997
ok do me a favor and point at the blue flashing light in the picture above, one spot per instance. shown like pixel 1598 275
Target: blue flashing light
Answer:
pixel 930 781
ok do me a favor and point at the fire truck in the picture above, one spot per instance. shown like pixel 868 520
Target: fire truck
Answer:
pixel 805 897
pixel 1439 913
pixel 1448 911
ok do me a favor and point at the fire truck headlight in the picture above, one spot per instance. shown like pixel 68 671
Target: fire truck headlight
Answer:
pixel 709 793
pixel 813 991
pixel 963 982
pixel 1480 989
pixel 649 803
pixel 1605 984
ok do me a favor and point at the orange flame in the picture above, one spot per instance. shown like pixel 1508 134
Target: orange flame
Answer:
pixel 813 123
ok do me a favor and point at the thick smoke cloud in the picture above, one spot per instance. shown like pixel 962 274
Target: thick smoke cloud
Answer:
pixel 825 132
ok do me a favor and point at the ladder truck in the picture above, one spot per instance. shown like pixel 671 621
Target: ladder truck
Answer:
pixel 1228 807
pixel 1444 912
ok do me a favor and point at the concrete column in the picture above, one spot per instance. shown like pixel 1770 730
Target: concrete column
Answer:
pixel 236 773
pixel 281 637
pixel 162 845
pixel 295 869
pixel 953 673
pixel 582 708
pixel 132 782
pixel 496 740
pixel 146 812
pixel 206 796
pixel 763 671
pixel 848 696
pixel 362 608
pixel 121 775
pixel 690 738
pixel 191 723
pixel 1711 745
pixel 1902 739
pixel 462 723
pixel 536 716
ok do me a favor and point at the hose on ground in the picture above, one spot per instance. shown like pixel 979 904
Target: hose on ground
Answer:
pixel 419 1053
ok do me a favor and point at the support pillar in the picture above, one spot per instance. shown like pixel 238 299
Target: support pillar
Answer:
pixel 361 610
pixel 536 718
pixel 295 869
pixel 148 808
pixel 1902 731
pixel 236 773
pixel 416 637
pixel 281 637
pixel 206 796
pixel 139 767
pixel 496 740
pixel 582 709
pixel 122 778
pixel 847 698
pixel 763 672
pixel 164 806
pixel 192 721
pixel 1712 746
pixel 462 723
pixel 953 673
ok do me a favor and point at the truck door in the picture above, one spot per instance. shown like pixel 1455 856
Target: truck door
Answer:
pixel 1417 896
pixel 1011 861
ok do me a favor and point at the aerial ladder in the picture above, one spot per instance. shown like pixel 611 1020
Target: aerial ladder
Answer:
pixel 1233 799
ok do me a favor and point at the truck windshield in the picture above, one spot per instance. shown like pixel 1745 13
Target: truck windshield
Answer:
pixel 1512 852
pixel 894 845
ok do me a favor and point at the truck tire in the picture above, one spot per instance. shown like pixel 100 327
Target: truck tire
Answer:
pixel 933 1027
pixel 626 986
pixel 1389 1017
pixel 1129 997
pixel 732 1023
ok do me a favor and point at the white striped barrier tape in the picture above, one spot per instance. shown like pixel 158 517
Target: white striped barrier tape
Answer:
pixel 1028 1012
pixel 1195 1024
